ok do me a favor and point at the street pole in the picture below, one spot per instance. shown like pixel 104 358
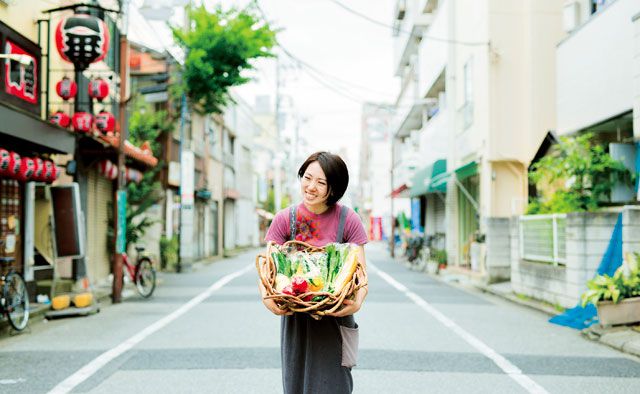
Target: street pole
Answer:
pixel 277 187
pixel 392 237
pixel 116 293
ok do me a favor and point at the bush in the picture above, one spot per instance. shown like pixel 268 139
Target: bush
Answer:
pixel 577 176
pixel 169 252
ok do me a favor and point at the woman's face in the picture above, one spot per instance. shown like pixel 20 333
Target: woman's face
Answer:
pixel 314 186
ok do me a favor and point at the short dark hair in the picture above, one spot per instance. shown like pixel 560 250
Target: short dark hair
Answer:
pixel 334 169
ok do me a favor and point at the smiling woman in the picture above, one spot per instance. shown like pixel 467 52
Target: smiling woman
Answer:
pixel 317 355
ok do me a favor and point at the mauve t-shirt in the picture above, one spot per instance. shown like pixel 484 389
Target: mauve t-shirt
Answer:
pixel 317 230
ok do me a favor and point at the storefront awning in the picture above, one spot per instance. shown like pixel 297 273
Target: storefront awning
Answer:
pixel 421 182
pixel 33 133
pixel 467 170
pixel 400 191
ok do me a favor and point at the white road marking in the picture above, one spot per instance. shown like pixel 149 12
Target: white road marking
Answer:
pixel 511 370
pixel 94 365
pixel 12 381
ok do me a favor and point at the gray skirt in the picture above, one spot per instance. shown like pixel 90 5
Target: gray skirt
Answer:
pixel 317 355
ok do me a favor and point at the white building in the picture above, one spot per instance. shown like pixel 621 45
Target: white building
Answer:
pixel 478 88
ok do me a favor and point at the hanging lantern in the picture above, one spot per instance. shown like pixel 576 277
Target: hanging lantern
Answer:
pixel 27 168
pixel 4 161
pixel 60 118
pixel 66 88
pixel 47 173
pixel 106 122
pixel 38 173
pixel 82 39
pixel 108 169
pixel 132 175
pixel 54 173
pixel 14 165
pixel 82 122
pixel 98 89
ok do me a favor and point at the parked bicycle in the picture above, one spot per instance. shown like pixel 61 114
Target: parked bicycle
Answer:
pixel 14 300
pixel 142 273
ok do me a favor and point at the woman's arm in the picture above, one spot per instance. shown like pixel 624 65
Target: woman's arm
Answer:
pixel 352 306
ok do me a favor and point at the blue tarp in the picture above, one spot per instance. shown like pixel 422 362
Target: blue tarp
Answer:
pixel 579 317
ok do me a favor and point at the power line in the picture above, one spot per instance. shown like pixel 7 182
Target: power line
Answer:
pixel 395 29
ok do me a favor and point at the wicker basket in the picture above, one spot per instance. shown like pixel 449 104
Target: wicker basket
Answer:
pixel 331 303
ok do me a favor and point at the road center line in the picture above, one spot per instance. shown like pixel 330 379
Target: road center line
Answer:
pixel 511 370
pixel 94 365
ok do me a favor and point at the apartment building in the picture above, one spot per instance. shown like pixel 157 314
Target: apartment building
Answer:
pixel 477 97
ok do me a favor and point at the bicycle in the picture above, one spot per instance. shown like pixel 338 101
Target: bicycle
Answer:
pixel 14 300
pixel 142 273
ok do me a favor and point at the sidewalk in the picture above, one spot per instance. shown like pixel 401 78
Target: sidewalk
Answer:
pixel 623 338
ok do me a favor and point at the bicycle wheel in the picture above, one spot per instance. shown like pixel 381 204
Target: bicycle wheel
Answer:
pixel 16 301
pixel 145 278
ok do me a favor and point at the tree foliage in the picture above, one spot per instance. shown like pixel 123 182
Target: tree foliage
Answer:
pixel 220 46
pixel 578 176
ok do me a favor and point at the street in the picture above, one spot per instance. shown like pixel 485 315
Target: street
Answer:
pixel 207 331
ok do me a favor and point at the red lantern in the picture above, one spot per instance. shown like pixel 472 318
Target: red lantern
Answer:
pixel 60 118
pixel 38 173
pixel 82 39
pixel 54 173
pixel 108 169
pixel 14 165
pixel 98 89
pixel 82 122
pixel 106 122
pixel 27 168
pixel 47 174
pixel 4 161
pixel 66 88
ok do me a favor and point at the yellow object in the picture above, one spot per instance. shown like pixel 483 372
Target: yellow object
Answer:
pixel 82 300
pixel 316 284
pixel 60 302
pixel 300 270
pixel 347 270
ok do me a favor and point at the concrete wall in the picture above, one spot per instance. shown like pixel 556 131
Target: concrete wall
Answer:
pixel 498 244
pixel 587 238
pixel 636 77
pixel 631 230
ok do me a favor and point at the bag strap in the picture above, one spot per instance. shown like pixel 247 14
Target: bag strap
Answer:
pixel 292 222
pixel 343 219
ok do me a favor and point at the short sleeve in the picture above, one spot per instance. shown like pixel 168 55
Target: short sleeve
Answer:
pixel 354 231
pixel 279 229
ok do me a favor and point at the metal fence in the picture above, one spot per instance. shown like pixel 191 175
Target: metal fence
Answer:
pixel 543 238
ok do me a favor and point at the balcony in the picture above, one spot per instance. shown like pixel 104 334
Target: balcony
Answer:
pixel 433 139
pixel 410 30
pixel 595 68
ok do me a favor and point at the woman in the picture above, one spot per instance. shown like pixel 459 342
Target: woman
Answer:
pixel 317 355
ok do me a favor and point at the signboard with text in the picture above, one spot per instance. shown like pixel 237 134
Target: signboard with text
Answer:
pixel 20 82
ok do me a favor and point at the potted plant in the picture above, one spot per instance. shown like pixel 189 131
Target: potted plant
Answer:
pixel 616 297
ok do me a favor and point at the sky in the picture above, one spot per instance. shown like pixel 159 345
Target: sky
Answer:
pixel 337 44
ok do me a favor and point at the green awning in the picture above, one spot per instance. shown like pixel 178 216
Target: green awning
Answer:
pixel 439 183
pixel 467 170
pixel 421 181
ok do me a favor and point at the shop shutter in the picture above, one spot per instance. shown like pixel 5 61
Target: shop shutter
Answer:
pixel 99 197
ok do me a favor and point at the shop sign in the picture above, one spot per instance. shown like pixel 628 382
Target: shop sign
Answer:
pixel 20 80
pixel 121 241
pixel 20 84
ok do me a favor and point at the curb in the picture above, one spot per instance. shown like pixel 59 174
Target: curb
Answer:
pixel 622 338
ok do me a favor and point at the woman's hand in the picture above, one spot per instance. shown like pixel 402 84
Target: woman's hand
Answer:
pixel 271 304
pixel 351 306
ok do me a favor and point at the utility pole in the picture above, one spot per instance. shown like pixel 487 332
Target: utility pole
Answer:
pixel 119 206
pixel 392 237
pixel 277 187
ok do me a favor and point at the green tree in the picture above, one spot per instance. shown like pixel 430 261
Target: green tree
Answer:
pixel 220 46
pixel 580 175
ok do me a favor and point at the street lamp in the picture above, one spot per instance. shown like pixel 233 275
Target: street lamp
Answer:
pixel 25 60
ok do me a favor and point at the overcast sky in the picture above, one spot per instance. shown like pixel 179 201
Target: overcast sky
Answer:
pixel 336 43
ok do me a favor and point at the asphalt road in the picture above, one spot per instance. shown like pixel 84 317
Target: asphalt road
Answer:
pixel 207 331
